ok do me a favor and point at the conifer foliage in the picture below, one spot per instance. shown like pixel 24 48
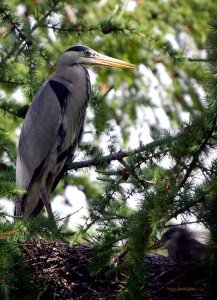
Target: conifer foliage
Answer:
pixel 166 39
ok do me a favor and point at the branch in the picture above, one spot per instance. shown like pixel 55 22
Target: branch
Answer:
pixel 5 149
pixel 196 156
pixel 16 111
pixel 184 223
pixel 107 159
pixel 51 10
pixel 99 161
pixel 184 209
pixel 198 59
pixel 9 82
pixel 8 55
pixel 80 28
pixel 15 26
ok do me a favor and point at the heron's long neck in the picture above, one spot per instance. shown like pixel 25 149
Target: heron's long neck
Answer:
pixel 70 73
pixel 76 74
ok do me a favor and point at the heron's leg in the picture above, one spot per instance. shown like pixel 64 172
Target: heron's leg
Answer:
pixel 45 195
pixel 18 206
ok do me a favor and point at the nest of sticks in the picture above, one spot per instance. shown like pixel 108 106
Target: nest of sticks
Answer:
pixel 65 273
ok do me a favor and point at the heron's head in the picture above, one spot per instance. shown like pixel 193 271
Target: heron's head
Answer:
pixel 87 56
pixel 182 245
pixel 171 237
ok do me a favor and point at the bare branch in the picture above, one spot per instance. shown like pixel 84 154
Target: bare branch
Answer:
pixel 97 162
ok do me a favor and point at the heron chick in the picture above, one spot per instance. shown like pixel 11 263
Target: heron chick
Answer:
pixel 53 127
pixel 182 245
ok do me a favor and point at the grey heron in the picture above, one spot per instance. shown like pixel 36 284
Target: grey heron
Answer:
pixel 182 245
pixel 53 127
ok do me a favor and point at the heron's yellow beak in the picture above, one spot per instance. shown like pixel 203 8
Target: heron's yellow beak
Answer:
pixel 103 60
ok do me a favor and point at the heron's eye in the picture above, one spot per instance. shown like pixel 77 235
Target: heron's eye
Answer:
pixel 87 53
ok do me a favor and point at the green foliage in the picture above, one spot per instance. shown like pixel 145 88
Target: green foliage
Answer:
pixel 11 262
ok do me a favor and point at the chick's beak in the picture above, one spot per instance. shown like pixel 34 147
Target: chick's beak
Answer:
pixel 157 245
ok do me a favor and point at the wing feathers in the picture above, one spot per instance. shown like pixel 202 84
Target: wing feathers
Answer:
pixel 51 132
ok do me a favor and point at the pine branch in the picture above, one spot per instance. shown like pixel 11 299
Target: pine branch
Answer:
pixel 8 55
pixel 16 27
pixel 198 60
pixel 6 234
pixel 10 82
pixel 131 170
pixel 81 28
pixel 184 209
pixel 52 9
pixel 13 108
pixel 184 223
pixel 99 161
pixel 4 148
pixel 202 147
